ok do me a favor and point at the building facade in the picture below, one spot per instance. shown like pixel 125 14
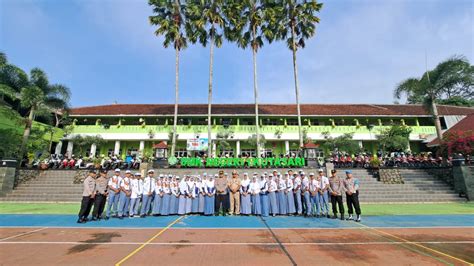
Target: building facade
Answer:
pixel 146 128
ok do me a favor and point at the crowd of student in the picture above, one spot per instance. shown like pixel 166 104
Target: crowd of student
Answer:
pixel 291 193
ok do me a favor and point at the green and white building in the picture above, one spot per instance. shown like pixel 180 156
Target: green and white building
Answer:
pixel 146 128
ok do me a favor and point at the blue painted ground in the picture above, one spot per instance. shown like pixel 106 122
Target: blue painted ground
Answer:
pixel 32 220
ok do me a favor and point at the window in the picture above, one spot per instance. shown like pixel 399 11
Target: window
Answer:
pixel 294 152
pixel 181 153
pixel 248 152
pixel 267 152
pixel 292 122
pixel 270 122
pixel 160 153
pixel 227 153
pixel 202 121
pixel 247 122
pixel 132 151
pixel 315 122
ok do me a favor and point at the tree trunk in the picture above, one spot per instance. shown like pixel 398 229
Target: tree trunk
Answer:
pixel 297 90
pixel 439 131
pixel 255 89
pixel 176 90
pixel 26 133
pixel 209 98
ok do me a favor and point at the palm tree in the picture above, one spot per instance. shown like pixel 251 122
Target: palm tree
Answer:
pixel 206 26
pixel 12 79
pixel 299 18
pixel 39 97
pixel 170 19
pixel 250 21
pixel 450 75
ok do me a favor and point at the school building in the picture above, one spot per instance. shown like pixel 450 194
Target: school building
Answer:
pixel 147 128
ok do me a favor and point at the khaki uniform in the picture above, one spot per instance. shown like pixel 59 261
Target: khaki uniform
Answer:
pixel 234 195
pixel 100 197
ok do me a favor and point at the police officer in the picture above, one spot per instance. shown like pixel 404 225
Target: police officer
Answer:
pixel 234 193
pixel 100 195
pixel 336 188
pixel 351 185
pixel 87 197
pixel 222 198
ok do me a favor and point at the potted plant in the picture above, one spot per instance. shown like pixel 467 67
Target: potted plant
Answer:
pixel 44 160
pixel 96 161
pixel 375 167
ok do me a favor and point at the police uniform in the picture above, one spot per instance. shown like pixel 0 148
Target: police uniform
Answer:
pixel 87 197
pixel 351 186
pixel 336 188
pixel 222 199
pixel 100 195
pixel 234 193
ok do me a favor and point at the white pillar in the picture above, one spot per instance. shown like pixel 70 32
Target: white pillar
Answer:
pixel 214 148
pixel 93 150
pixel 237 148
pixel 58 148
pixel 69 148
pixel 287 146
pixel 142 146
pixel 117 147
pixel 360 144
pixel 408 146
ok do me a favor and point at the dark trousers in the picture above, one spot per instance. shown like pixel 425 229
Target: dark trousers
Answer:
pixel 86 206
pixel 222 200
pixel 353 202
pixel 99 205
pixel 337 200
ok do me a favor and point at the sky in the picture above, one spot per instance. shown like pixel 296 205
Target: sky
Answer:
pixel 105 51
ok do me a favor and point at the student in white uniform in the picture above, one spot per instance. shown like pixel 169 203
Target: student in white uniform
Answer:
pixel 158 196
pixel 245 201
pixel 307 195
pixel 209 199
pixel 323 193
pixel 200 187
pixel 125 193
pixel 314 188
pixel 136 185
pixel 297 190
pixel 174 201
pixel 148 189
pixel 272 188
pixel 114 194
pixel 183 195
pixel 254 190
pixel 289 195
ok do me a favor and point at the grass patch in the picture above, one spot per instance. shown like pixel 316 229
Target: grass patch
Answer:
pixel 367 209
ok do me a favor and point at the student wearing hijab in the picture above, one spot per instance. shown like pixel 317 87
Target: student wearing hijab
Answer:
pixel 195 194
pixel 289 195
pixel 254 191
pixel 190 196
pixel 245 201
pixel 264 202
pixel 183 195
pixel 209 194
pixel 200 187
pixel 272 188
pixel 158 196
pixel 282 198
pixel 166 199
pixel 174 198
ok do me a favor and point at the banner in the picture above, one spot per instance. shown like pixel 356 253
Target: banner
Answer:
pixel 243 162
pixel 199 144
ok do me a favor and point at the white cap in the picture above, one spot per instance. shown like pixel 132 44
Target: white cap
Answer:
pixel 138 174
pixel 216 175
pixel 161 175
pixel 117 170
pixel 274 170
pixel 177 177
pixel 320 170
pixel 204 174
pixel 302 173
pixel 151 171
pixel 128 172
pixel 311 174
pixel 245 174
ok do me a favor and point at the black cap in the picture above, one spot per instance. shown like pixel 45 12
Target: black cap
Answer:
pixel 103 171
pixel 333 171
pixel 92 171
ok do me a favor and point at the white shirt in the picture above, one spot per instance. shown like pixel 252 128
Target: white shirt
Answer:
pixel 174 188
pixel 324 182
pixel 209 187
pixel 244 185
pixel 115 182
pixel 148 185
pixel 254 188
pixel 314 185
pixel 273 186
pixel 305 183
pixel 289 185
pixel 166 189
pixel 183 188
pixel 281 185
pixel 263 186
pixel 136 186
pixel 125 184
pixel 297 183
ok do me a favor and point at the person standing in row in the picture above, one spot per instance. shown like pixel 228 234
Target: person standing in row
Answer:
pixel 289 195
pixel 323 193
pixel 305 185
pixel 209 196
pixel 272 188
pixel 336 188
pixel 222 198
pixel 157 196
pixel 297 191
pixel 87 197
pixel 125 193
pixel 264 203
pixel 351 185
pixel 148 189
pixel 136 185
pixel 282 199
pixel 114 194
pixel 200 186
pixel 234 193
pixel 314 190
pixel 100 195
pixel 245 197
pixel 166 199
pixel 174 201
pixel 183 194
pixel 254 191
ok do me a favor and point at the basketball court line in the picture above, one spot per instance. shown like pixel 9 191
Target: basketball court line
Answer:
pixel 149 241
pixel 231 244
pixel 415 244
pixel 23 234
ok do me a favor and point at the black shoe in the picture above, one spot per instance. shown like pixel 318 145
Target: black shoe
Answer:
pixel 94 219
pixel 328 216
pixel 114 216
pixel 142 216
pixel 106 218
pixel 317 216
pixel 358 219
pixel 80 221
pixel 342 217
pixel 350 218
pixel 121 217
pixel 334 216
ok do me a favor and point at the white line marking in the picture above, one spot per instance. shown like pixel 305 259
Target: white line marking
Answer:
pixel 239 228
pixel 22 234
pixel 232 244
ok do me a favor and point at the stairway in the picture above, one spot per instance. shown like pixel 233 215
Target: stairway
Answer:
pixel 58 186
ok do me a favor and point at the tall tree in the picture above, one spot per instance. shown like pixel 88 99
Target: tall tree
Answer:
pixel 40 97
pixel 296 23
pixel 12 80
pixel 250 22
pixel 206 26
pixel 454 75
pixel 170 19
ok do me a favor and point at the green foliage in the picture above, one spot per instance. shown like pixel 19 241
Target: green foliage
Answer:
pixel 395 138
pixel 222 139
pixel 343 143
pixel 457 101
pixel 375 162
pixel 171 22
pixel 10 139
pixel 252 140
pixel 86 141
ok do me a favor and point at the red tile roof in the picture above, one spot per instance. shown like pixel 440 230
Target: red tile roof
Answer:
pixel 161 145
pixel 465 125
pixel 269 109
